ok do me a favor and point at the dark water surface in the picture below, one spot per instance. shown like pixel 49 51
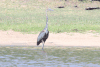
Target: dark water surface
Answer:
pixel 50 57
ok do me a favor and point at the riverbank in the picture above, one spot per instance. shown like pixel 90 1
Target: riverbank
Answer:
pixel 12 38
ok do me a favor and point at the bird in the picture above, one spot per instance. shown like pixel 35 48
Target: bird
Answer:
pixel 44 34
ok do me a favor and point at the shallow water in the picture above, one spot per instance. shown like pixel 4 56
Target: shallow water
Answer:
pixel 50 57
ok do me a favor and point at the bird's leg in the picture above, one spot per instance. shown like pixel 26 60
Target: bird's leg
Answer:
pixel 43 44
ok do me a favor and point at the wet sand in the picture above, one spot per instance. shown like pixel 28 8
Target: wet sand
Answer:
pixel 12 38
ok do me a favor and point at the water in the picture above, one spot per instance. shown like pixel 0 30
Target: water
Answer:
pixel 50 57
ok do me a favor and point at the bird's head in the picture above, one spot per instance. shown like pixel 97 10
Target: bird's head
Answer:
pixel 49 9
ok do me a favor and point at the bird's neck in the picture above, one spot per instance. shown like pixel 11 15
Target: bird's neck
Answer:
pixel 46 20
pixel 47 23
pixel 46 17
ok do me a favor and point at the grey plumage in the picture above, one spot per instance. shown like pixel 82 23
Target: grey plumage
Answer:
pixel 44 33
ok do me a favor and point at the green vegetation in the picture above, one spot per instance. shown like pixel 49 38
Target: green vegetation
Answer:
pixel 29 16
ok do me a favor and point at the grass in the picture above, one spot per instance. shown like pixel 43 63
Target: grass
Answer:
pixel 29 16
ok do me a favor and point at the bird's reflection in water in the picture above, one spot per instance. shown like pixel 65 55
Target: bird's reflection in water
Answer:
pixel 44 53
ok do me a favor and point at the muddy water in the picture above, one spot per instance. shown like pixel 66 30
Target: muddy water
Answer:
pixel 50 57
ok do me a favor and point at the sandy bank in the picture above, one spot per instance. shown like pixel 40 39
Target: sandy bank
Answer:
pixel 12 38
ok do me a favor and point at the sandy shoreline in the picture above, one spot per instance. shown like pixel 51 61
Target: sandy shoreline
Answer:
pixel 12 38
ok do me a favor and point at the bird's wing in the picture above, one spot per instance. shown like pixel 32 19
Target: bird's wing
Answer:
pixel 47 34
pixel 41 35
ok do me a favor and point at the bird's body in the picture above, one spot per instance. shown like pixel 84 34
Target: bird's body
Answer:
pixel 43 34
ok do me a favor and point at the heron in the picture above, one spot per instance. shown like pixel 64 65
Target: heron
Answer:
pixel 43 36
